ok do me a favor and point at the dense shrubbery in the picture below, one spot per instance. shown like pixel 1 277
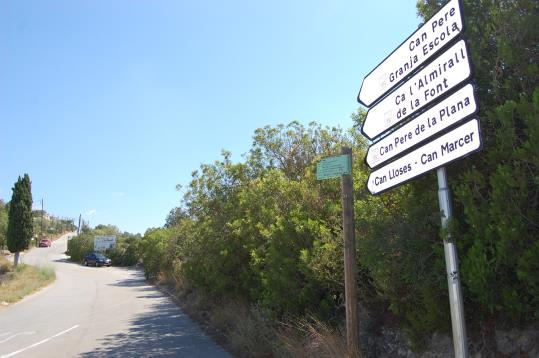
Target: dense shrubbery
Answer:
pixel 78 246
pixel 47 226
pixel 267 232
pixel 497 191
pixel 264 231
pixel 125 253
pixel 153 251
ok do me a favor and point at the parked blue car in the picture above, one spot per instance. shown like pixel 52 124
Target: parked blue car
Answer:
pixel 95 259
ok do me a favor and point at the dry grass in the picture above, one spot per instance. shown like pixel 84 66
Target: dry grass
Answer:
pixel 15 283
pixel 250 331
pixel 5 265
pixel 311 338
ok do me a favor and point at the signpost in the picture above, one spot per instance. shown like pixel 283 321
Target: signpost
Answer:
pixel 445 114
pixel 333 167
pixel 458 143
pixel 434 90
pixel 102 243
pixel 431 83
pixel 341 166
pixel 424 43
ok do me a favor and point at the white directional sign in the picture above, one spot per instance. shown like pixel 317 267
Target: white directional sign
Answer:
pixel 102 243
pixel 435 80
pixel 450 111
pixel 437 32
pixel 457 143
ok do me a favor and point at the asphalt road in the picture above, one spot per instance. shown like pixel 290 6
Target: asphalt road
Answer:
pixel 98 312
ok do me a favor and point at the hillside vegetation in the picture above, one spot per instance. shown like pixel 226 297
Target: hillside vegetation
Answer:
pixel 264 232
pixel 125 253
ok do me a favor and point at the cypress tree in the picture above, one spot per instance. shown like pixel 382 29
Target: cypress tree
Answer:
pixel 20 228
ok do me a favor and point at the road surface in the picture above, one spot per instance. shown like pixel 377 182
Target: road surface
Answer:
pixel 98 312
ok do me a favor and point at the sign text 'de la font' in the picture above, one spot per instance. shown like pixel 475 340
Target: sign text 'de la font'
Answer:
pixel 434 81
pixel 418 48
pixel 448 112
pixel 457 143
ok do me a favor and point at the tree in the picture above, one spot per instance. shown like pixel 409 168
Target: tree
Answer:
pixel 292 148
pixel 3 224
pixel 20 228
pixel 175 216
pixel 152 250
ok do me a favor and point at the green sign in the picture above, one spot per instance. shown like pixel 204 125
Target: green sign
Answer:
pixel 333 167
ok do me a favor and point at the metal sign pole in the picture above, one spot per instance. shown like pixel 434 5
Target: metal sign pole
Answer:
pixel 458 324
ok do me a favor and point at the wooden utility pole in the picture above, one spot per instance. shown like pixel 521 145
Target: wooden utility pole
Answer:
pixel 335 167
pixel 350 268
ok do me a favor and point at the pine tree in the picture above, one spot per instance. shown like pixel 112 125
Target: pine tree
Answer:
pixel 20 228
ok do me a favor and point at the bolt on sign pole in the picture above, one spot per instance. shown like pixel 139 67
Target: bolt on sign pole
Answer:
pixel 458 324
pixel 350 268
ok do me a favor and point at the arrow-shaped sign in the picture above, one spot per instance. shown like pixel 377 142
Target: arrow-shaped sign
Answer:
pixel 434 81
pixel 430 38
pixel 459 142
pixel 450 111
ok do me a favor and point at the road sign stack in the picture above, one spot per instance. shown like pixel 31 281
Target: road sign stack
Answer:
pixel 421 117
pixel 417 97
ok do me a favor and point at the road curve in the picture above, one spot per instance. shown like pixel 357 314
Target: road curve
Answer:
pixel 98 312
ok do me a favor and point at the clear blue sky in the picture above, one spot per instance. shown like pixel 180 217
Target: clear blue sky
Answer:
pixel 108 104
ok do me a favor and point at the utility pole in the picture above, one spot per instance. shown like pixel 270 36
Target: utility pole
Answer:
pixel 350 268
pixel 78 228
pixel 341 167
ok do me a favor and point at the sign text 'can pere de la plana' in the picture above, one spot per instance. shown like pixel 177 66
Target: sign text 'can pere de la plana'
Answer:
pixel 421 118
pixel 445 114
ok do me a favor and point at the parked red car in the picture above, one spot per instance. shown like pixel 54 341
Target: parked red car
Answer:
pixel 45 243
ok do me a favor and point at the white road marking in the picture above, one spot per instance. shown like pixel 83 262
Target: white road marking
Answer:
pixel 38 343
pixel 15 335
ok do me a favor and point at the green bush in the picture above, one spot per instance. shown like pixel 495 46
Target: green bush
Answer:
pixel 267 232
pixel 126 251
pixel 78 246
pixel 152 251
pixel 5 265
